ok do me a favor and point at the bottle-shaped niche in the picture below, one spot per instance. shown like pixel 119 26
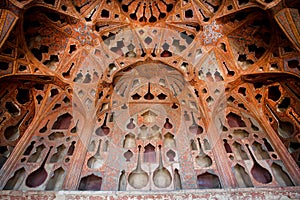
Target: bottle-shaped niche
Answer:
pixel 138 178
pixel 177 180
pixel 167 124
pixel 258 172
pixel 149 95
pixel 202 159
pixel 195 128
pixel 104 129
pixel 38 177
pixel 131 125
pixel 122 181
pixel 12 133
pixel 96 161
pixel 161 176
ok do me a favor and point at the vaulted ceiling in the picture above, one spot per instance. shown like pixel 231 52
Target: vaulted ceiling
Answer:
pixel 150 95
